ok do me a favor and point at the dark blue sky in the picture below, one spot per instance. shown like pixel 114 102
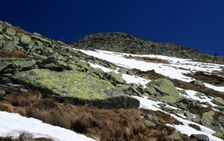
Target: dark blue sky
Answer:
pixel 195 23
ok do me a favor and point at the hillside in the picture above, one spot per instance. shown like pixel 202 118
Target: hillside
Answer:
pixel 122 42
pixel 52 91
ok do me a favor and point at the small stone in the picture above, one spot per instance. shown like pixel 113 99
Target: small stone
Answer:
pixel 149 123
pixel 198 82
pixel 200 137
pixel 175 136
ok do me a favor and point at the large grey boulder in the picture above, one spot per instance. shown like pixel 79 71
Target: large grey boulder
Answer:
pixel 164 90
pixel 79 86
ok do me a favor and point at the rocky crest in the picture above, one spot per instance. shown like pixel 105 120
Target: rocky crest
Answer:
pixel 122 42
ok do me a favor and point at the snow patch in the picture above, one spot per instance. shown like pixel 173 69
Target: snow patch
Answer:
pixel 12 124
pixel 128 78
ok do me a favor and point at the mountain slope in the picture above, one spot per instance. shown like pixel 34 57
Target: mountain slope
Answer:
pixel 105 95
pixel 122 42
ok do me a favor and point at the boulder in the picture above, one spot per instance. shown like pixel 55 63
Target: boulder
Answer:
pixel 116 78
pixel 8 46
pixel 219 134
pixel 1 28
pixel 175 136
pixel 164 90
pixel 150 120
pixel 67 83
pixel 24 39
pixel 207 118
pixel 2 93
pixel 219 101
pixel 82 87
pixel 12 65
pixel 10 32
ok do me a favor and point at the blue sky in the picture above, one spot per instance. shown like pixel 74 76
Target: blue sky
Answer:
pixel 197 24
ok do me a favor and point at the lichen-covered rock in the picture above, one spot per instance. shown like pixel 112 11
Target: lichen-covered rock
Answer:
pixel 24 39
pixel 2 93
pixel 11 32
pixel 207 118
pixel 69 84
pixel 218 101
pixel 175 136
pixel 13 65
pixel 8 46
pixel 164 90
pixel 115 77
pixel 219 134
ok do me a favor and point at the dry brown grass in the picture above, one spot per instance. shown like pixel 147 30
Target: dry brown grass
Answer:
pixel 208 78
pixel 14 54
pixel 106 124
pixel 153 75
pixel 147 59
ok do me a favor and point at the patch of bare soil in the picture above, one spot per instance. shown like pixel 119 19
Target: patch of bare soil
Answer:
pixel 219 73
pixel 104 124
pixel 198 110
pixel 147 59
pixel 208 78
pixel 195 126
pixel 14 54
pixel 189 86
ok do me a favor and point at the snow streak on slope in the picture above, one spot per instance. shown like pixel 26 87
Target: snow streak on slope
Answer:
pixel 185 128
pixel 12 124
pixel 199 97
pixel 175 70
pixel 126 77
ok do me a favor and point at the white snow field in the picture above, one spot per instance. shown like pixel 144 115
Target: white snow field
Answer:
pixel 13 125
pixel 175 70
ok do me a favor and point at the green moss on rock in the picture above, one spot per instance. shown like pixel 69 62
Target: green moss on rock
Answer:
pixel 218 101
pixel 69 83
pixel 164 90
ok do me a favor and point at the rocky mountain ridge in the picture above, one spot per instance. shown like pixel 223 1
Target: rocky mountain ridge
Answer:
pixel 122 42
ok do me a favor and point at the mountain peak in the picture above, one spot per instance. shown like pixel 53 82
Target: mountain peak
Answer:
pixel 126 43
